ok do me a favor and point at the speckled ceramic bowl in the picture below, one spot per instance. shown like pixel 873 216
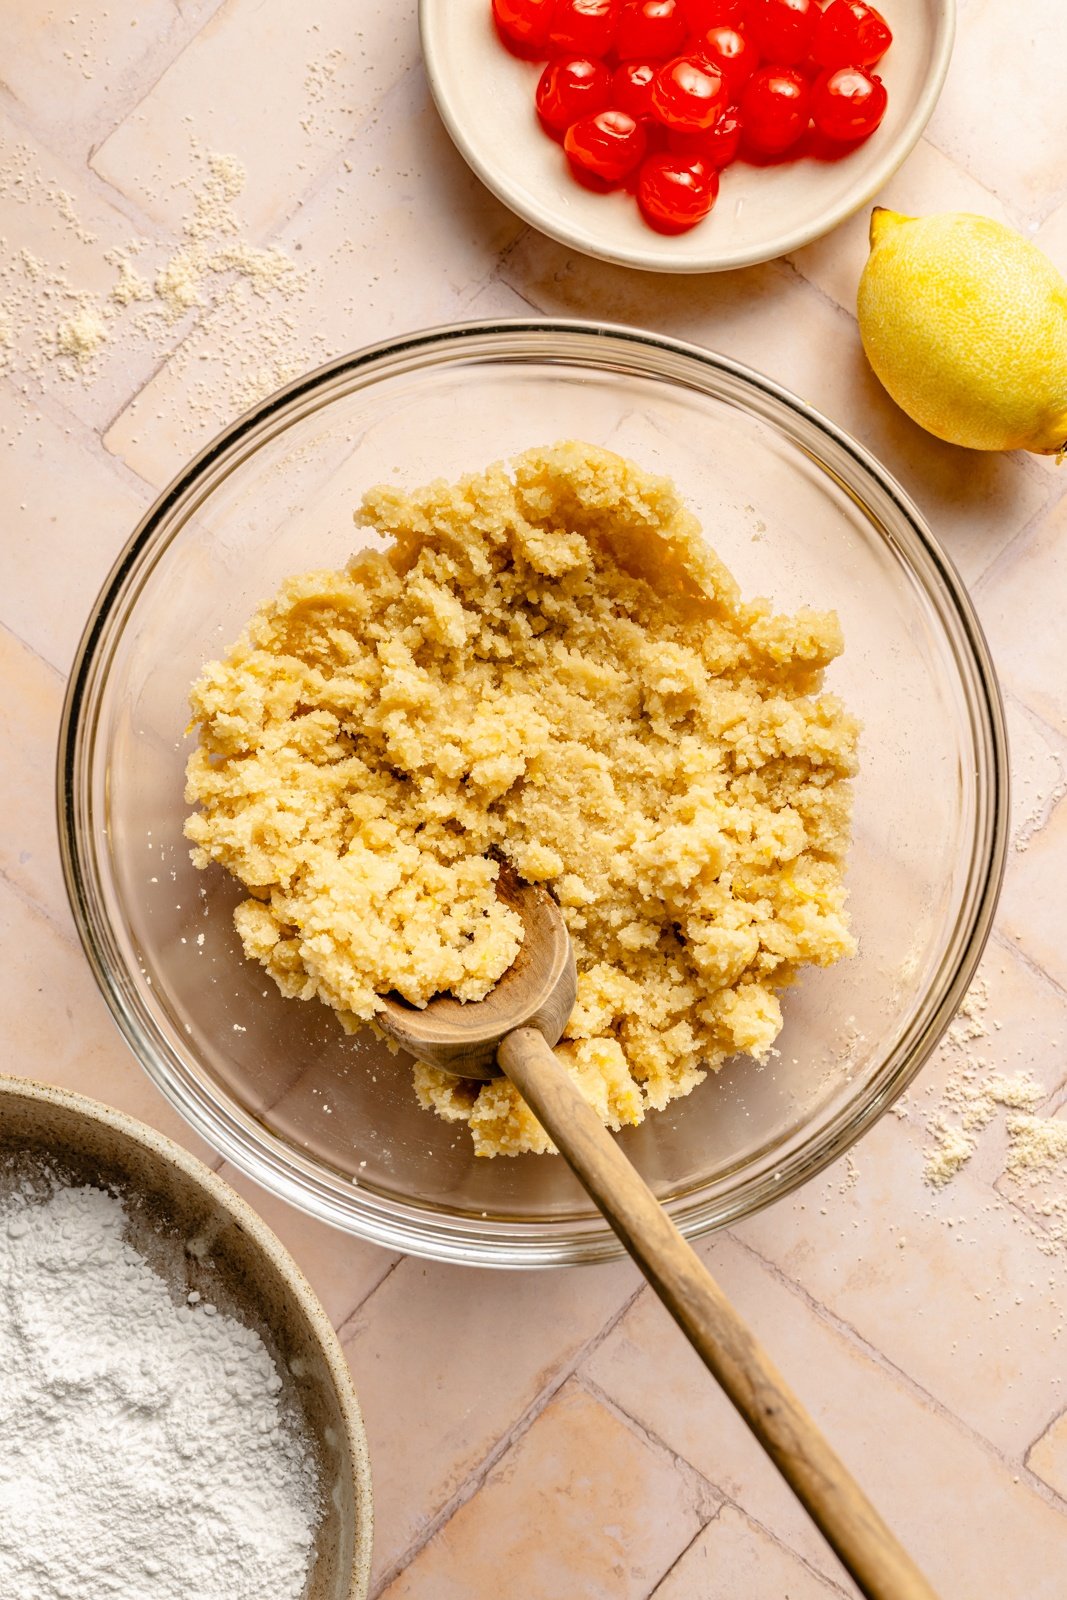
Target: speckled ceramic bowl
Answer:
pixel 173 1198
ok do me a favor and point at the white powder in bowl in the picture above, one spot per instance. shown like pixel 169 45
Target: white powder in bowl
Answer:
pixel 146 1453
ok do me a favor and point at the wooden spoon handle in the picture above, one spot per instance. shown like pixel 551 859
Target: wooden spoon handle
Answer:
pixel 881 1567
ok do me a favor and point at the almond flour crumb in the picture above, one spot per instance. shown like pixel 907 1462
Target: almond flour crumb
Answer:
pixel 321 73
pixel 949 1154
pixel 969 1021
pixel 851 1177
pixel 1038 1147
pixel 1034 1182
pixel 81 335
pixel 64 205
pixel 131 286
pixel 973 1093
pixel 1039 784
pixel 177 284
pixel 59 326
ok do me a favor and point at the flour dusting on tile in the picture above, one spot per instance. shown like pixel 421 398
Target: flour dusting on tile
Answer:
pixel 53 326
pixel 976 1096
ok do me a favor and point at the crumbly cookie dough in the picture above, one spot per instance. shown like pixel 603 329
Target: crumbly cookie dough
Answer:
pixel 547 663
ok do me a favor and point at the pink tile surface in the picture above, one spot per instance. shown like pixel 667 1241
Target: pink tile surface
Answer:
pixel 455 1359
pixel 57 1029
pixel 1000 47
pixel 552 1435
pixel 733 1556
pixel 912 1456
pixel 318 72
pixel 70 508
pixel 1024 631
pixel 1048 1458
pixel 73 74
pixel 566 1511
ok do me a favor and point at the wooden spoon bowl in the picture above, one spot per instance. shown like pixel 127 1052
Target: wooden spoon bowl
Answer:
pixel 537 991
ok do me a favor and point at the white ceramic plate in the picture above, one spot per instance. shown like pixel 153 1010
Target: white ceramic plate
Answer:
pixel 486 99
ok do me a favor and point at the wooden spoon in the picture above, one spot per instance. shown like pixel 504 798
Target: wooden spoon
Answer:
pixel 513 1029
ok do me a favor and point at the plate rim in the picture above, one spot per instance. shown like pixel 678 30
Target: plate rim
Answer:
pixel 657 258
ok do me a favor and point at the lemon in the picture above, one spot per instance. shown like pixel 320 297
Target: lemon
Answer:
pixel 965 323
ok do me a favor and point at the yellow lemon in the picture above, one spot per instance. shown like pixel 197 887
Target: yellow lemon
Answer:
pixel 965 323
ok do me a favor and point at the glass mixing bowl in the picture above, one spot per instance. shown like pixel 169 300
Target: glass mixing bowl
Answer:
pixel 800 512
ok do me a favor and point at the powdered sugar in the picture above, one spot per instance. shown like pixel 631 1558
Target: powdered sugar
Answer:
pixel 146 1454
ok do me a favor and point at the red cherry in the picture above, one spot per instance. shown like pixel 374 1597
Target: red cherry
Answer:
pixel 676 192
pixel 701 14
pixel 605 148
pixel 583 27
pixel 631 88
pixel 688 94
pixel 847 104
pixel 571 87
pixel 650 30
pixel 724 140
pixel 733 52
pixel 523 25
pixel 784 30
pixel 775 106
pixel 850 34
pixel 719 147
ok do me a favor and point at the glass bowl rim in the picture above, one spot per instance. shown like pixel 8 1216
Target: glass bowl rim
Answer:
pixel 422 1230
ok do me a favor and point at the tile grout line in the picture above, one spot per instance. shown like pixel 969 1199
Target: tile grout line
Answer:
pixel 269 237
pixel 135 105
pixel 789 264
pixel 203 311
pixel 1006 558
pixel 104 191
pixel 1006 942
pixel 477 1476
pixel 333 168
pixel 68 936
pixel 1012 1200
pixel 884 1362
pixel 492 275
pixel 343 1329
pixel 649 1435
pixel 829 1582
pixel 50 667
pixel 1020 220
pixel 680 1557
pixel 879 1358
pixel 87 436
pixel 1058 202
pixel 1054 734
pixel 1032 1446
pixel 721 1494
pixel 1024 460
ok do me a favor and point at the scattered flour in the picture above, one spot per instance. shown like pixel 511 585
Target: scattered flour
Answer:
pixel 131 286
pixel 1039 778
pixel 971 1100
pixel 973 1093
pixel 82 334
pixel 1038 1147
pixel 146 1454
pixel 60 316
pixel 321 82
